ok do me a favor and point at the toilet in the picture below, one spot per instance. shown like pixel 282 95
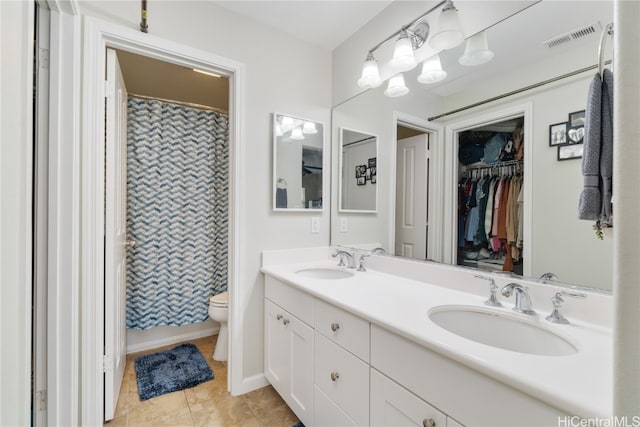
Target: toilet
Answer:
pixel 218 311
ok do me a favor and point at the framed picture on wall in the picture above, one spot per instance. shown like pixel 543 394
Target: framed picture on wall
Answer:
pixel 558 134
pixel 571 151
pixel 367 175
pixel 575 135
pixel 374 179
pixel 372 162
pixel 576 119
pixel 361 180
pixel 361 170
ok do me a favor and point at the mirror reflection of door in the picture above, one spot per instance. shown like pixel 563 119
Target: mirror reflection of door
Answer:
pixel 412 191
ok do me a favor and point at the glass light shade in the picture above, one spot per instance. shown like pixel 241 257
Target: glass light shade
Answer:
pixel 309 128
pixel 396 86
pixel 296 134
pixel 432 71
pixel 370 77
pixel 287 123
pixel 403 57
pixel 278 129
pixel 448 33
pixel 476 51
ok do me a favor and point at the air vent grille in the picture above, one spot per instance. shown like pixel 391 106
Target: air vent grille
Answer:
pixel 574 35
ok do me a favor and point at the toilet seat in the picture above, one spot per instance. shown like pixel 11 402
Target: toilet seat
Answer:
pixel 220 300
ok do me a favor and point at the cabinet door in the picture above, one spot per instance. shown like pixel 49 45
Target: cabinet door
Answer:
pixel 393 405
pixel 276 354
pixel 300 350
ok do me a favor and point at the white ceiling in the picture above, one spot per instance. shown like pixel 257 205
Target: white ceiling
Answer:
pixel 325 23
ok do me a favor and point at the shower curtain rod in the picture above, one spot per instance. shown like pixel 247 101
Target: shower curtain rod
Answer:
pixel 182 103
pixel 517 91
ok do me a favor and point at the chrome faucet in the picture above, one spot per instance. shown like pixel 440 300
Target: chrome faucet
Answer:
pixel 342 255
pixel 493 288
pixel 361 262
pixel 547 277
pixel 523 300
pixel 378 251
pixel 556 316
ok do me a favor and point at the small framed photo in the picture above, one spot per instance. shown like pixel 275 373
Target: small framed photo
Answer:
pixel 367 174
pixel 372 162
pixel 361 170
pixel 558 134
pixel 575 135
pixel 576 119
pixel 361 180
pixel 571 151
pixel 374 179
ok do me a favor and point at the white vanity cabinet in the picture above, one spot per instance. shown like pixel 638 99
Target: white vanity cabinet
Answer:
pixel 288 346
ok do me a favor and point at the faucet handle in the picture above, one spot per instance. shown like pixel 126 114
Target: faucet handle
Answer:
pixel 493 289
pixel 557 300
pixel 361 265
pixel 340 254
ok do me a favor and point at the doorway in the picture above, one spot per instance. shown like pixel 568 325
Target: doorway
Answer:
pixel 98 37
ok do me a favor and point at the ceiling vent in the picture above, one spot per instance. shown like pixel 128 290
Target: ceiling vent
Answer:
pixel 574 35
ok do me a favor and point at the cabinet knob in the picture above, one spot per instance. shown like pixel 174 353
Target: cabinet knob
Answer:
pixel 285 321
pixel 334 376
pixel 335 326
pixel 428 422
pixel 279 317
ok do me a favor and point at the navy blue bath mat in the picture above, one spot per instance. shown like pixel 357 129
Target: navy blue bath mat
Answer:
pixel 172 370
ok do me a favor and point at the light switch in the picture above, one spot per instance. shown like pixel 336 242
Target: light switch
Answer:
pixel 344 225
pixel 315 224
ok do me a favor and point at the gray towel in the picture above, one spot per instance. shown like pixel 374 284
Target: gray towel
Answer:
pixel 590 203
pixel 281 198
pixel 606 149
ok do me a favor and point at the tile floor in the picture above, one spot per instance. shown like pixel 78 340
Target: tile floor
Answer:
pixel 208 404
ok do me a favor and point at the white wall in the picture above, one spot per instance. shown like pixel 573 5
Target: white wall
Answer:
pixel 354 196
pixel 16 47
pixel 282 74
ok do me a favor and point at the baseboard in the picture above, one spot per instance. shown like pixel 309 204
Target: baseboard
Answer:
pixel 165 335
pixel 252 383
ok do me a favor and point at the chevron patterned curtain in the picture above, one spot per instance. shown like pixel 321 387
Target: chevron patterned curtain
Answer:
pixel 177 207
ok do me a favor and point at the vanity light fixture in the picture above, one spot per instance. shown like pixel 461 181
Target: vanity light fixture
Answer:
pixel 409 38
pixel 403 57
pixel 370 77
pixel 396 86
pixel 309 128
pixel 476 51
pixel 448 33
pixel 432 71
pixel 296 134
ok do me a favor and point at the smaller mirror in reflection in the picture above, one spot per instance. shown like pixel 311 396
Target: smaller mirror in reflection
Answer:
pixel 298 147
pixel 359 166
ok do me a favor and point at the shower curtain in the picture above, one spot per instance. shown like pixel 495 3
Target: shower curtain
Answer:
pixel 177 205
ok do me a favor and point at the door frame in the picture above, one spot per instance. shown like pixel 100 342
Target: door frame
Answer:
pixel 470 121
pixel 435 179
pixel 98 35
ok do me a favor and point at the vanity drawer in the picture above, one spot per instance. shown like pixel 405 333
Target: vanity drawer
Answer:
pixel 327 413
pixel 342 327
pixel 393 405
pixel 296 302
pixel 343 378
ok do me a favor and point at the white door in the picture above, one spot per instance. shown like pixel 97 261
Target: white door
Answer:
pixel 411 197
pixel 115 235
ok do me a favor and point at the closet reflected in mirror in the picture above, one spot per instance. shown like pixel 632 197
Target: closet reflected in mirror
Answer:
pixel 298 159
pixel 359 171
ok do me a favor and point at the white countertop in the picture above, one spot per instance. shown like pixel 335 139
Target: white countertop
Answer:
pixel 578 384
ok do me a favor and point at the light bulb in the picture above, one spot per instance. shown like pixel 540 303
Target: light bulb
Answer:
pixel 403 57
pixel 370 77
pixel 476 51
pixel 309 128
pixel 278 129
pixel 432 71
pixel 448 33
pixel 296 134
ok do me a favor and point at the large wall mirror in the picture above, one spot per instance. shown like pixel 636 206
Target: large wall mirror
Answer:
pixel 358 177
pixel 525 54
pixel 298 159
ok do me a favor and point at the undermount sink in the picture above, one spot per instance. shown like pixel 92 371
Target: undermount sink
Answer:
pixel 324 273
pixel 501 330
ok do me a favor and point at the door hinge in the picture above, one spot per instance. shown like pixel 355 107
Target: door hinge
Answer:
pixel 41 397
pixel 43 59
pixel 109 89
pixel 107 363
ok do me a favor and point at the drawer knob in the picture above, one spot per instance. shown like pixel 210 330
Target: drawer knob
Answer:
pixel 334 376
pixel 285 321
pixel 279 317
pixel 428 422
pixel 335 326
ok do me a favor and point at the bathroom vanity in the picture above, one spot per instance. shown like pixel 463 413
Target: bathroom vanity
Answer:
pixel 344 347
